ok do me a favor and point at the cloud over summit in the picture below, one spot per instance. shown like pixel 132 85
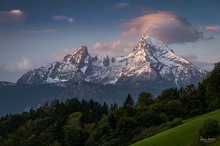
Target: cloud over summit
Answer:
pixel 167 26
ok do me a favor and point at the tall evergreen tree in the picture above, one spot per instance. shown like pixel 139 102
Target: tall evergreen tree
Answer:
pixel 128 105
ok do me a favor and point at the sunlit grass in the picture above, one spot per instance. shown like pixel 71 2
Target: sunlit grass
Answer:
pixel 183 135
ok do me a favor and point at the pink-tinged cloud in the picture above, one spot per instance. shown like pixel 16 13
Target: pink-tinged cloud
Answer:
pixel 167 26
pixel 122 5
pixel 114 48
pixel 211 28
pixel 12 16
pixel 23 64
pixel 63 18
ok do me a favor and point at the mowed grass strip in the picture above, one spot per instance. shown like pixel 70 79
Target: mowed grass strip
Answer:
pixel 183 135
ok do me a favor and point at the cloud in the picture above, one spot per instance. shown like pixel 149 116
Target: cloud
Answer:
pixel 12 16
pixel 48 30
pixel 211 28
pixel 63 18
pixel 121 5
pixel 114 48
pixel 23 64
pixel 167 26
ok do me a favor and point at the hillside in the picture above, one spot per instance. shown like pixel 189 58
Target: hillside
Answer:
pixel 183 135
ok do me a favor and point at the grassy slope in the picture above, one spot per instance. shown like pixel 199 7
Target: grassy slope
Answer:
pixel 183 135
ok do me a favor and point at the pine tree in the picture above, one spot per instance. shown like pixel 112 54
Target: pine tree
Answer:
pixel 128 105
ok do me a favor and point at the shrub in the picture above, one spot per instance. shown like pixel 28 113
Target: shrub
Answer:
pixel 210 128
pixel 176 122
pixel 147 132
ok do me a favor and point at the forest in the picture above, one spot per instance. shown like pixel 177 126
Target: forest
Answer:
pixel 89 123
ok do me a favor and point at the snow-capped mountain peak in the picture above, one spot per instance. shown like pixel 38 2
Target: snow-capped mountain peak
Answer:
pixel 154 41
pixel 78 55
pixel 150 61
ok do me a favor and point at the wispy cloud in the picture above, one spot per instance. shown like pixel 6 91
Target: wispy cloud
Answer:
pixel 167 26
pixel 214 28
pixel 48 30
pixel 23 64
pixel 121 5
pixel 63 18
pixel 114 48
pixel 12 16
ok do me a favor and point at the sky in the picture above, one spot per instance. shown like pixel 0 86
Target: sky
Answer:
pixel 35 33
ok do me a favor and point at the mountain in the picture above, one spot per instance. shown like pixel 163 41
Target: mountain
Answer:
pixel 21 97
pixel 5 83
pixel 151 64
pixel 18 98
pixel 78 66
pixel 152 60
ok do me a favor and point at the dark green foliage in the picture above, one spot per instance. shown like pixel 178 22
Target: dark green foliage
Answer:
pixel 100 134
pixel 209 129
pixel 168 94
pixel 125 126
pixel 55 124
pixel 73 136
pixel 212 84
pixel 128 105
pixel 176 122
pixel 148 119
pixel 174 109
pixel 144 100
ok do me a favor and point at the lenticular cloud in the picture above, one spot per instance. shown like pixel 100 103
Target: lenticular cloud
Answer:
pixel 167 26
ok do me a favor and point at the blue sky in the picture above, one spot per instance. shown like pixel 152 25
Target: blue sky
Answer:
pixel 34 33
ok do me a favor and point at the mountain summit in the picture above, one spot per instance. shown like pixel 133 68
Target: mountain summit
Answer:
pixel 151 63
pixel 152 60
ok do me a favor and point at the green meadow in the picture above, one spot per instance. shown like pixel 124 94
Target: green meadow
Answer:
pixel 183 135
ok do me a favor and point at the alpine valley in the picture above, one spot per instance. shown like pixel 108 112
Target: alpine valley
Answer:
pixel 152 66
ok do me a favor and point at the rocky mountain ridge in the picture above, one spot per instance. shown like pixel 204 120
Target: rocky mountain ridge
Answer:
pixel 150 62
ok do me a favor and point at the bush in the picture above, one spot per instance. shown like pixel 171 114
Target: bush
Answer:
pixel 209 129
pixel 147 132
pixel 176 122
